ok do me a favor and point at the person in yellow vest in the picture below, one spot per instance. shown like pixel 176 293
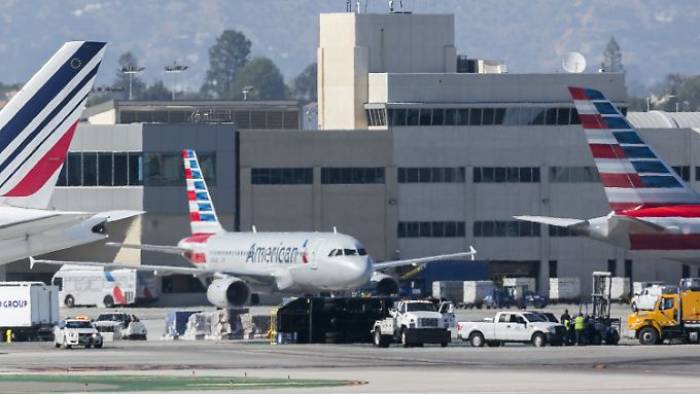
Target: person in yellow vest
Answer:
pixel 565 319
pixel 579 326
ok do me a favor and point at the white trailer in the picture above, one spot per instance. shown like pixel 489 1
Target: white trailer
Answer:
pixel 475 291
pixel 29 309
pixel 89 285
pixel 564 289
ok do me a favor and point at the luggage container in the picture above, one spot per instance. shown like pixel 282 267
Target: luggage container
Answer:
pixel 620 289
pixel 524 283
pixel 564 290
pixel 29 309
pixel 475 291
pixel 449 290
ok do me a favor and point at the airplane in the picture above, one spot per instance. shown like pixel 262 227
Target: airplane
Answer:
pixel 244 264
pixel 653 211
pixel 36 128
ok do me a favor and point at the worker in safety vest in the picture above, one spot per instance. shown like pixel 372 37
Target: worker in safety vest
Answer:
pixel 565 319
pixel 579 326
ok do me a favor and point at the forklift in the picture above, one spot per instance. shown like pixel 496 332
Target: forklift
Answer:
pixel 600 327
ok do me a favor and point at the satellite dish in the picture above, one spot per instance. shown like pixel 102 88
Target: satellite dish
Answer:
pixel 573 62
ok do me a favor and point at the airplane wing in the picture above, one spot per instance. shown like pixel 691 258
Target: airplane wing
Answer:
pixel 115 216
pixel 37 221
pixel 150 248
pixel 424 260
pixel 559 222
pixel 279 278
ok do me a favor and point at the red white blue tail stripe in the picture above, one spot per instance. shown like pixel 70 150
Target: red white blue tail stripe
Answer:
pixel 203 219
pixel 38 124
pixel 633 175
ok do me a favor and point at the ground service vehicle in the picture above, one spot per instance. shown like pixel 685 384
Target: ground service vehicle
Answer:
pixel 28 309
pixel 674 316
pixel 647 297
pixel 524 327
pixel 125 325
pixel 412 323
pixel 77 332
pixel 89 285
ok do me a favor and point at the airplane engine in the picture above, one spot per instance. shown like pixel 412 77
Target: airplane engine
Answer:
pixel 228 292
pixel 384 284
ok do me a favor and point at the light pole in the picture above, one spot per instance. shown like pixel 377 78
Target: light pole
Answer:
pixel 131 70
pixel 246 91
pixel 175 69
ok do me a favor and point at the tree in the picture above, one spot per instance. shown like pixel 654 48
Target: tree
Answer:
pixel 121 83
pixel 226 58
pixel 157 91
pixel 304 86
pixel 612 58
pixel 262 79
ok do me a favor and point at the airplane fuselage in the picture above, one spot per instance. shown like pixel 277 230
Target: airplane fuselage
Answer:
pixel 299 262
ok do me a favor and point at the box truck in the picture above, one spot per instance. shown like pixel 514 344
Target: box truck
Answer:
pixel 28 310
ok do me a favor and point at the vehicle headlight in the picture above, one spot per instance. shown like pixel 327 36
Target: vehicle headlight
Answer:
pixel 94 335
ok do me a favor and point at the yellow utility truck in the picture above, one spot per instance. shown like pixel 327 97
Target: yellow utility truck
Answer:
pixel 675 316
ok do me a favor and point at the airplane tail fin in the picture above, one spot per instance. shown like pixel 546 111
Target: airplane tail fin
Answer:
pixel 632 173
pixel 203 219
pixel 37 125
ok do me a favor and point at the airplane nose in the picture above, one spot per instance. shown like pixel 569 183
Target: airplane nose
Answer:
pixel 361 270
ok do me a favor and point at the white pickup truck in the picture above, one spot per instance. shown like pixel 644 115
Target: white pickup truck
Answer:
pixel 523 327
pixel 413 323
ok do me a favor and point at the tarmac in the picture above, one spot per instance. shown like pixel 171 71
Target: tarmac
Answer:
pixel 627 368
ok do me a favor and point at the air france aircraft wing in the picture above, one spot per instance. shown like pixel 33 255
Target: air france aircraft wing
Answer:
pixel 424 260
pixel 16 222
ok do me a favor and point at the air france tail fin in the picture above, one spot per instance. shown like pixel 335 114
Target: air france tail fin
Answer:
pixel 38 124
pixel 203 219
pixel 632 173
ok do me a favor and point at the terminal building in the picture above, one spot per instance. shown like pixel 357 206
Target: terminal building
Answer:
pixel 414 155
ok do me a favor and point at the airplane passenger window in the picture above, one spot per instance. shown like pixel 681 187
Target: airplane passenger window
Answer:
pixel 350 252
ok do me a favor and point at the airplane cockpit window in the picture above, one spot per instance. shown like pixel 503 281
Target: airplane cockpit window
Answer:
pixel 332 253
pixel 362 252
pixel 350 252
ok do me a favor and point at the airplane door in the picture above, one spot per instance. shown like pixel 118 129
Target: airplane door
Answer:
pixel 315 256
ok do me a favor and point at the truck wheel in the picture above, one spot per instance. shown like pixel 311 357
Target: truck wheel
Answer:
pixel 379 339
pixel 404 338
pixel 57 345
pixel 108 302
pixel 613 338
pixel 648 336
pixel 596 339
pixel 476 339
pixel 69 301
pixel 538 340
pixel 443 344
pixel 98 345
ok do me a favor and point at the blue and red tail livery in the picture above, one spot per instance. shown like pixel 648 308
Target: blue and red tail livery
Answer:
pixel 203 219
pixel 38 124
pixel 632 173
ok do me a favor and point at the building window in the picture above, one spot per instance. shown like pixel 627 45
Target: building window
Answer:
pixel 612 267
pixel 431 229
pixel 628 269
pixel 352 175
pixel 556 231
pixel 683 172
pixel 103 169
pixel 376 117
pixel 281 176
pixel 506 175
pixel 573 174
pixel 431 175
pixel 505 228
pixel 685 271
pixel 167 168
pixel 553 269
pixel 486 116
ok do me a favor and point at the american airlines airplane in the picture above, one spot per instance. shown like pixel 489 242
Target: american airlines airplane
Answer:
pixel 653 210
pixel 36 128
pixel 243 264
